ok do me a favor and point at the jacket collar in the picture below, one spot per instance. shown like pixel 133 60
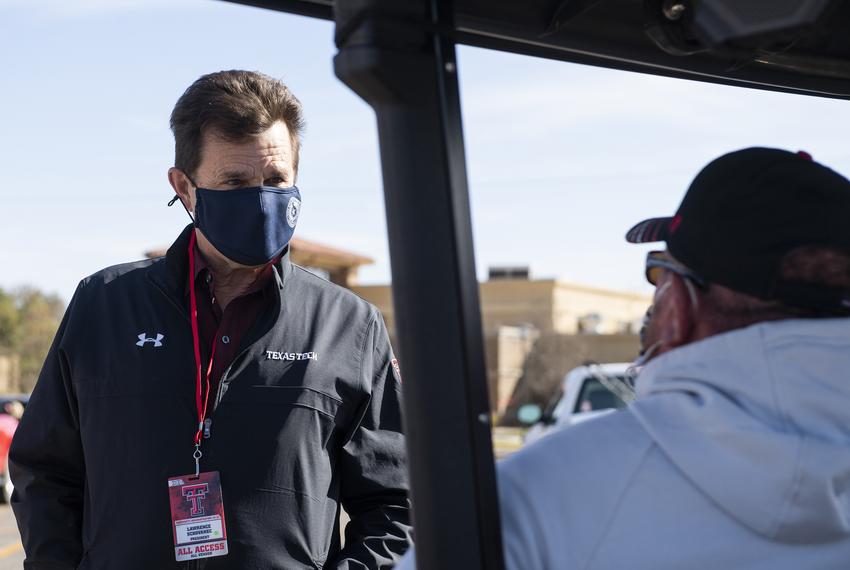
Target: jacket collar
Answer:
pixel 171 272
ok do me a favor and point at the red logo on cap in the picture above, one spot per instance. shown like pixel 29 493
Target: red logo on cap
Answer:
pixel 804 154
pixel 674 223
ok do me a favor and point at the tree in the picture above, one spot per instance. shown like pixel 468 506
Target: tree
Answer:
pixel 39 318
pixel 9 321
pixel 28 323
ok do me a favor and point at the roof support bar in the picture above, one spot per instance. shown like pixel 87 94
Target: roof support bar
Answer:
pixel 392 54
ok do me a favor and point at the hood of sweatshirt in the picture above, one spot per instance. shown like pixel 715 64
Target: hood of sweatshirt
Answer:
pixel 759 420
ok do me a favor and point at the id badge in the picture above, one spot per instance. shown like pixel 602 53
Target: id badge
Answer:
pixel 197 516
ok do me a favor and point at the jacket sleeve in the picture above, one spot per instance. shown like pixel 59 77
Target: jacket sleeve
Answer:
pixel 374 484
pixel 46 466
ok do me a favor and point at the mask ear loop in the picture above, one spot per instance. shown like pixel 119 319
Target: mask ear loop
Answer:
pixel 177 197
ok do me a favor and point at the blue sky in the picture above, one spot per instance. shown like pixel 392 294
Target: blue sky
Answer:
pixel 562 158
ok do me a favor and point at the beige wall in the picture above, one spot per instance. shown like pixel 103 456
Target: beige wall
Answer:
pixel 513 346
pixel 549 306
pixel 620 312
pixel 512 303
pixel 515 313
pixel 503 303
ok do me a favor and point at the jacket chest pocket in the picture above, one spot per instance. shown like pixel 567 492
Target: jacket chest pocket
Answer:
pixel 276 438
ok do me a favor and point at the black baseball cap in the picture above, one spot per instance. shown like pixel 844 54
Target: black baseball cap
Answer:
pixel 745 211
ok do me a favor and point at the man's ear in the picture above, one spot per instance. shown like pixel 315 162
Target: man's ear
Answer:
pixel 182 187
pixel 679 314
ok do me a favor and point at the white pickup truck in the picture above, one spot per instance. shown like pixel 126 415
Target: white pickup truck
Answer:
pixel 586 392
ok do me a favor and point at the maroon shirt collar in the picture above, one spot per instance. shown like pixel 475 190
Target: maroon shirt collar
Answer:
pixel 228 328
pixel 202 272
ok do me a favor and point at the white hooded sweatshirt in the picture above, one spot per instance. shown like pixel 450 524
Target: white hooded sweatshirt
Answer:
pixel 736 455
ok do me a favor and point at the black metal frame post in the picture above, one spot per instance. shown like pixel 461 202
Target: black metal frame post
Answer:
pixel 394 55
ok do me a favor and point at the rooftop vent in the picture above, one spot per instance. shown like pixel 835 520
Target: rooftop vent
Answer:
pixel 512 273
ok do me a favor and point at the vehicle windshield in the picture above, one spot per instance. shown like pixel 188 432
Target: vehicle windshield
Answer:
pixel 595 396
pixel 552 407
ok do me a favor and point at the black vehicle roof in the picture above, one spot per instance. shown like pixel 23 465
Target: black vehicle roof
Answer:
pixel 612 33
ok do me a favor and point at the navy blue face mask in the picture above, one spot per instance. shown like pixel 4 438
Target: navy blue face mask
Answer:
pixel 251 226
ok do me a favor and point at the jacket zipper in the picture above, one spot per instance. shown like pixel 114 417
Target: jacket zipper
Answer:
pixel 224 375
pixel 209 420
pixel 258 327
pixel 197 564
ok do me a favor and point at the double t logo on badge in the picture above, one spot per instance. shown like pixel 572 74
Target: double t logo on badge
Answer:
pixel 195 494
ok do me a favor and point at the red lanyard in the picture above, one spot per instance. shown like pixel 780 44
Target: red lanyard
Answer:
pixel 202 393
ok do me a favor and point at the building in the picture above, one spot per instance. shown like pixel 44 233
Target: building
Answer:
pixel 519 313
pixel 548 305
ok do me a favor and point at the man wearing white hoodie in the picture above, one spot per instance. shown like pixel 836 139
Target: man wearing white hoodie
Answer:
pixel 736 453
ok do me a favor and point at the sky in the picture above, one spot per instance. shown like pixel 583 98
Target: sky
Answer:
pixel 562 159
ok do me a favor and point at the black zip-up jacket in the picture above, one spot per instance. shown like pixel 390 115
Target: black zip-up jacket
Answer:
pixel 111 420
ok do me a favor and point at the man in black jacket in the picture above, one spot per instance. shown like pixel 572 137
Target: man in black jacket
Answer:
pixel 216 407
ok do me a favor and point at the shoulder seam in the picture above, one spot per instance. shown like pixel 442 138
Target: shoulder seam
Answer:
pixel 369 325
pixel 143 265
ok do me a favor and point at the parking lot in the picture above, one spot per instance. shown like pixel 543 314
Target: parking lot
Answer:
pixel 11 552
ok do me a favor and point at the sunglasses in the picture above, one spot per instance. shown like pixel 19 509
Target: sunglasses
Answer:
pixel 658 261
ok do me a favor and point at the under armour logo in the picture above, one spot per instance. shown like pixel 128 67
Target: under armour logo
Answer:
pixel 157 342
